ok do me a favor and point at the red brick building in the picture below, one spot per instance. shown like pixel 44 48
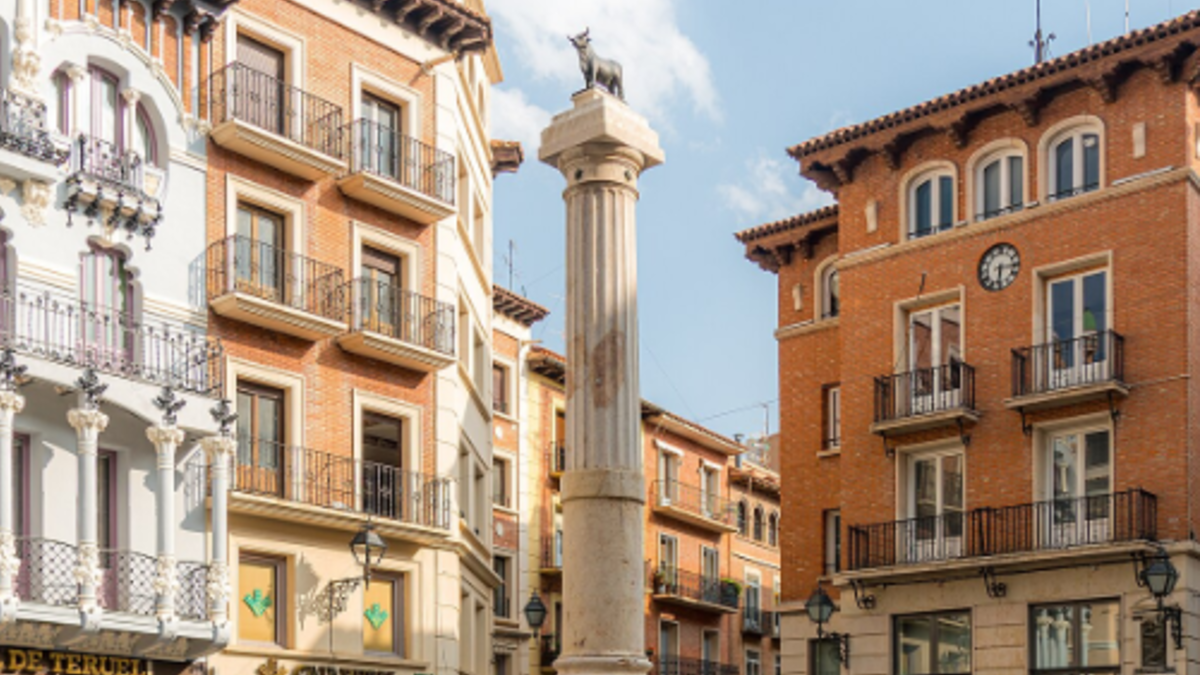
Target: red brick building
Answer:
pixel 987 354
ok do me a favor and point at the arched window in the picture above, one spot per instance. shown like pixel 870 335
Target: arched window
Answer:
pixel 758 523
pixel 144 141
pixel 930 203
pixel 1074 162
pixel 999 184
pixel 741 518
pixel 830 295
pixel 773 529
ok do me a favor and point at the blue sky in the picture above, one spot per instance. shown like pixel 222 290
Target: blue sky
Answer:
pixel 728 86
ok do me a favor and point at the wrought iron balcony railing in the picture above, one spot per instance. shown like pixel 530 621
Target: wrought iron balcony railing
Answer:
pixel 389 310
pixel 239 264
pixel 672 581
pixel 556 457
pixel 271 469
pixel 704 503
pixel 674 665
pixel 379 150
pixel 552 558
pixel 924 391
pixel 1024 528
pixel 64 329
pixel 756 621
pixel 47 576
pixel 106 163
pixel 23 127
pixel 1063 364
pixel 253 97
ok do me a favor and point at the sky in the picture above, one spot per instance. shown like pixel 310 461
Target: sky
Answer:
pixel 728 86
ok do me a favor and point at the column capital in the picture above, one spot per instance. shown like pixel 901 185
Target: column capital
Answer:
pixel 218 448
pixel 11 401
pixel 599 120
pixel 85 420
pixel 76 72
pixel 131 96
pixel 165 439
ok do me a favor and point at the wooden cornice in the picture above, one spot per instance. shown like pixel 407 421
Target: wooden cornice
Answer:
pixel 446 23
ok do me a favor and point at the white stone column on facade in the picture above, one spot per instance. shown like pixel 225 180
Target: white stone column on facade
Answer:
pixel 131 97
pixel 166 439
pixel 601 147
pixel 88 423
pixel 11 403
pixel 219 450
pixel 26 62
pixel 78 108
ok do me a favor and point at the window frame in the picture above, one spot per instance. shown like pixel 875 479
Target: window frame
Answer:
pixel 1076 638
pixel 832 407
pixel 505 395
pixel 816 647
pixel 929 173
pixel 22 494
pixel 502 466
pixel 933 639
pixel 756 660
pixel 743 518
pixel 281 601
pixel 399 614
pixel 830 291
pixel 832 541
pixel 758 523
pixel 1004 156
pixel 503 591
pixel 1073 127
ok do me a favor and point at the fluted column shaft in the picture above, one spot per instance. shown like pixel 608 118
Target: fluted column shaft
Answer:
pixel 219 450
pixel 11 403
pixel 166 440
pixel 88 425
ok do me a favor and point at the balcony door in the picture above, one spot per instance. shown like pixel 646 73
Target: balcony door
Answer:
pixel 710 571
pixel 1080 477
pixel 710 491
pixel 934 356
pixel 381 300
pixel 710 651
pixel 934 530
pixel 668 478
pixel 384 489
pixel 105 122
pixel 107 330
pixel 668 560
pixel 261 453
pixel 753 605
pixel 1077 321
pixel 259 254
pixel 668 648
pixel 380 137
pixel 261 97
pixel 106 527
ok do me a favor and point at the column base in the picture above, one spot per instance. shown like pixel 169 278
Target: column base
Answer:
pixel 616 664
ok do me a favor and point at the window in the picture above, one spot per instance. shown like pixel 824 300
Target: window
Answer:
pixel 383 477
pixel 381 300
pixel 1079 472
pixel 144 142
pixel 479 363
pixel 710 646
pixel 500 402
pixel 500 482
pixel 752 663
pixel 107 292
pixel 1000 185
pixel 833 542
pixel 824 657
pixel 935 506
pixel 741 518
pixel 62 94
pixel 1077 637
pixel 668 645
pixel 710 563
pixel 502 664
pixel 383 615
pixel 1077 326
pixel 473 500
pixel 710 490
pixel 668 557
pixel 263 79
pixel 935 360
pixel 380 144
pixel 933 644
pixel 758 523
pixel 778 665
pixel 833 418
pixel 260 439
pixel 753 593
pixel 1074 163
pixel 262 599
pixel 930 204
pixel 106 108
pixel 260 256
pixel 20 485
pixel 668 475
pixel 773 529
pixel 106 500
pixel 830 294
pixel 501 565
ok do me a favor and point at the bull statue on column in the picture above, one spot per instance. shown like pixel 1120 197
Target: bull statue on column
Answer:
pixel 605 72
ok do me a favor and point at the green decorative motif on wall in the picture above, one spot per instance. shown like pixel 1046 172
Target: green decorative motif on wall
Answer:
pixel 258 602
pixel 376 615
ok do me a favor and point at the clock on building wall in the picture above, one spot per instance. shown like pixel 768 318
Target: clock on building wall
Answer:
pixel 999 266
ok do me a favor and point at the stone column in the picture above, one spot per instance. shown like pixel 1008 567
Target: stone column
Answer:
pixel 166 584
pixel 11 403
pixel 80 99
pixel 219 450
pixel 601 147
pixel 88 423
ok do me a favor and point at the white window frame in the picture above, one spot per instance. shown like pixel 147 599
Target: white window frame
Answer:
pixel 710 495
pixel 980 189
pixel 509 462
pixel 410 418
pixel 293 45
pixel 908 188
pixel 408 99
pixel 510 384
pixel 409 252
pixel 832 524
pixel 833 416
pixel 906 495
pixel 1074 127
pixel 668 487
pixel 753 662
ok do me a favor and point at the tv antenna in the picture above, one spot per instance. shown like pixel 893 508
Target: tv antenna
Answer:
pixel 510 260
pixel 1040 44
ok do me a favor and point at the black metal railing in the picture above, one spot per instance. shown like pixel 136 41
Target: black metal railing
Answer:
pixel 674 665
pixel 47 572
pixel 667 580
pixel 127 582
pixel 385 308
pixel 1071 192
pixel 62 328
pixel 272 469
pixel 924 391
pixel 755 621
pixel 260 269
pixel 705 503
pixel 551 647
pixel 551 555
pixel 253 97
pixel 192 600
pixel 1002 211
pixel 382 151
pixel 1049 525
pixel 104 162
pixel 556 457
pixel 23 127
pixel 1062 364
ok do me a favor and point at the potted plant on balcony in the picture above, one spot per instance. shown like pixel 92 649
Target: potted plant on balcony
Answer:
pixel 659 581
pixel 731 590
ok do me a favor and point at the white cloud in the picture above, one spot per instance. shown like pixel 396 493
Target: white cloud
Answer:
pixel 662 66
pixel 514 118
pixel 766 193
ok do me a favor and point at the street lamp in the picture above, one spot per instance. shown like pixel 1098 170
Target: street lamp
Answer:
pixel 820 609
pixel 368 549
pixel 535 613
pixel 1160 576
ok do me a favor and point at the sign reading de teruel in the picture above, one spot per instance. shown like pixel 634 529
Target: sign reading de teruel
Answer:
pixel 14 661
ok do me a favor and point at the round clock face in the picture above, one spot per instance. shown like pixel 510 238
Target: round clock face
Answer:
pixel 999 267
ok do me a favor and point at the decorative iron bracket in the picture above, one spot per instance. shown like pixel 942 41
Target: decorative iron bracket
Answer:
pixel 995 589
pixel 338 595
pixel 1112 409
pixel 1139 564
pixel 1026 425
pixel 1174 616
pixel 963 435
pixel 862 599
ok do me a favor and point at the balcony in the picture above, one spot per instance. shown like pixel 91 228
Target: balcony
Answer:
pixel 47 577
pixel 1025 532
pixel 23 131
pixel 756 621
pixel 268 120
pixel 673 665
pixel 1066 372
pixel 112 185
pixel 398 174
pixel 551 647
pixel 400 327
pixel 693 505
pixel 396 499
pixel 674 586
pixel 64 330
pixel 925 398
pixel 270 287
pixel 556 459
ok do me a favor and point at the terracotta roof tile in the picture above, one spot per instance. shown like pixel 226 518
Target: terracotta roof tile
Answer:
pixel 799 220
pixel 516 307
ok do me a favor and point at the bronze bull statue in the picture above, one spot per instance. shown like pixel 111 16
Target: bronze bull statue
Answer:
pixel 605 72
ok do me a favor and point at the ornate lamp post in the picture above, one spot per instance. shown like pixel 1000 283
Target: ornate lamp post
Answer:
pixel 820 609
pixel 368 549
pixel 535 613
pixel 1160 576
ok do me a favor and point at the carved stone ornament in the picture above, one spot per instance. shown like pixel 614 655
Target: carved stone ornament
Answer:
pixel 7 185
pixel 87 570
pixel 87 421
pixel 10 562
pixel 169 404
pixel 12 402
pixel 25 61
pixel 218 584
pixel 166 580
pixel 36 195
